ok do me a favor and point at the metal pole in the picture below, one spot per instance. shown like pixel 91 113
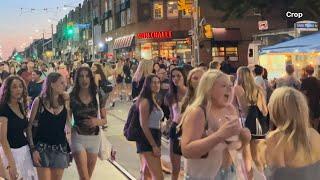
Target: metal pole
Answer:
pixel 195 37
pixel 52 41
pixel 92 29
pixel 42 45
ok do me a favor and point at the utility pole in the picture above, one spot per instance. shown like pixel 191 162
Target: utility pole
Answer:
pixel 42 45
pixel 53 51
pixel 196 32
pixel 92 29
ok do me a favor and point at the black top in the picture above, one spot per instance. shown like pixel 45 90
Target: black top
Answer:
pixel 15 128
pixel 82 111
pixel 311 87
pixel 127 70
pixel 137 87
pixel 34 89
pixel 51 127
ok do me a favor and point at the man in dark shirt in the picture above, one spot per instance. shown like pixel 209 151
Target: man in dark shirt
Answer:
pixel 310 86
pixel 27 75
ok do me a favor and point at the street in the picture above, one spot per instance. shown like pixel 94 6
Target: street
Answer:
pixel 126 154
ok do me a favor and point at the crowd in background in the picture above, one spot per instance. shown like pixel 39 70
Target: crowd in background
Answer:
pixel 210 114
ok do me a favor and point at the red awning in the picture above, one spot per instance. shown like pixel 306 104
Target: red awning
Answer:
pixel 225 34
pixel 123 42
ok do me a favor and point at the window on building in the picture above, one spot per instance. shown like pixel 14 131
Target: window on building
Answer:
pixel 224 51
pixel 123 18
pixel 188 12
pixel 106 25
pixel 172 9
pixel 129 19
pixel 158 10
pixel 110 24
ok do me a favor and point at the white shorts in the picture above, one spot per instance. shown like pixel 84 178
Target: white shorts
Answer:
pixel 22 158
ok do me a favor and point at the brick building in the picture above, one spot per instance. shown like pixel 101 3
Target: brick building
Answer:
pixel 151 28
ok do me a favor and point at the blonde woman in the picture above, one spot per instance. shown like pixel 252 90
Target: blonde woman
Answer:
pixel 118 76
pixel 144 69
pixel 193 79
pixel 293 149
pixel 207 124
pixel 249 97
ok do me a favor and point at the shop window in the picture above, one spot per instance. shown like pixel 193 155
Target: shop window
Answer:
pixel 146 52
pixel 129 19
pixel 157 10
pixel 218 51
pixel 123 18
pixel 188 12
pixel 172 9
pixel 231 51
pixel 224 51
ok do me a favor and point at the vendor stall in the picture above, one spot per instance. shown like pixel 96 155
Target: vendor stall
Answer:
pixel 300 52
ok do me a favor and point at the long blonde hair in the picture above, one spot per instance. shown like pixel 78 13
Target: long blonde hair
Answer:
pixel 145 68
pixel 203 98
pixel 189 97
pixel 290 113
pixel 246 81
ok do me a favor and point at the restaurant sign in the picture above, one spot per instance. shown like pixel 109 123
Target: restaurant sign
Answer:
pixel 155 35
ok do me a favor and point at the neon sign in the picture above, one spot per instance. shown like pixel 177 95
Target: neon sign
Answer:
pixel 155 35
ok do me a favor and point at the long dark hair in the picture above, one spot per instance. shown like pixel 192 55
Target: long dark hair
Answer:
pixel 100 71
pixel 92 87
pixel 47 93
pixel 5 93
pixel 172 95
pixel 146 91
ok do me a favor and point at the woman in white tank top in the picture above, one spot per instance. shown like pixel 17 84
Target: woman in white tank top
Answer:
pixel 207 124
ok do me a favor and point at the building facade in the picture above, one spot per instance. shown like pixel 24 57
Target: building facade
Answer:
pixel 156 28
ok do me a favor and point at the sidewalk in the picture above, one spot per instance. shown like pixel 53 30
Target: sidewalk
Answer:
pixel 103 170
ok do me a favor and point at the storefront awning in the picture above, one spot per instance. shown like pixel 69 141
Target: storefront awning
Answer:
pixel 225 34
pixel 122 42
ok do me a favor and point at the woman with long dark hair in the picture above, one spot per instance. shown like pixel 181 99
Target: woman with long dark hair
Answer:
pixel 99 75
pixel 85 138
pixel 13 120
pixel 173 99
pixel 148 147
pixel 49 145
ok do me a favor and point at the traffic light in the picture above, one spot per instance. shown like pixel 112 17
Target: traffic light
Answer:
pixel 208 33
pixel 69 31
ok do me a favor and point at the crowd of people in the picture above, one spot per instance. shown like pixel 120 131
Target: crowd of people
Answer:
pixel 227 123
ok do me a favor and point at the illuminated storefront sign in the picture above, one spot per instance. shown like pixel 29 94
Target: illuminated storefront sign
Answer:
pixel 155 35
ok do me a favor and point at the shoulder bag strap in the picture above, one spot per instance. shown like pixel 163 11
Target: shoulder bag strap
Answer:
pixel 205 117
pixel 98 103
pixel 36 118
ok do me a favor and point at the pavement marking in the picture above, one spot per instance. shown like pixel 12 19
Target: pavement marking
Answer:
pixel 122 170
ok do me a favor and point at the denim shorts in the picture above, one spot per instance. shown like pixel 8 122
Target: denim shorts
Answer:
pixel 53 156
pixel 89 143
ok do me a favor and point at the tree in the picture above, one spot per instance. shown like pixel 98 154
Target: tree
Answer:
pixel 238 8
